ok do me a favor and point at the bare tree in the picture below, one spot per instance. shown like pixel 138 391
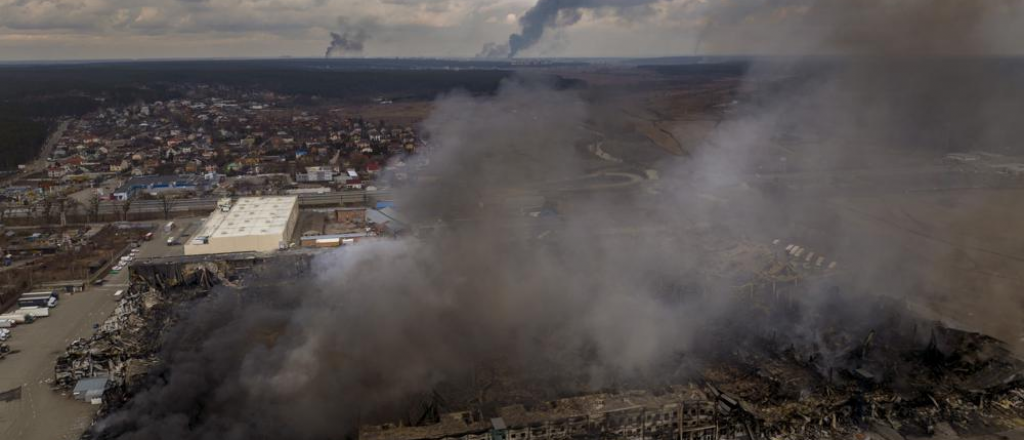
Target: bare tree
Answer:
pixel 94 208
pixel 167 203
pixel 47 205
pixel 126 206
pixel 66 205
pixel 33 209
pixel 5 210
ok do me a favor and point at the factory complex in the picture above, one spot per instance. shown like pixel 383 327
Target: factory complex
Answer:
pixel 252 224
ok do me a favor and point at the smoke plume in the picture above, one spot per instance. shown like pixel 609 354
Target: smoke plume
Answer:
pixel 913 28
pixel 482 299
pixel 551 14
pixel 350 40
pixel 493 50
pixel 883 89
pixel 625 287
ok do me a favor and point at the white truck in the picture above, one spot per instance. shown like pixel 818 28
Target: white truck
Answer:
pixel 38 312
pixel 38 299
pixel 18 318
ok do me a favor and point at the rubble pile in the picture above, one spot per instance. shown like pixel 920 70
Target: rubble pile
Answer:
pixel 124 347
pixel 120 337
pixel 803 359
pixel 901 377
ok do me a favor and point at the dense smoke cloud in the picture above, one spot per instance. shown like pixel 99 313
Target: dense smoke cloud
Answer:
pixel 493 50
pixel 384 322
pixel 876 87
pixel 870 28
pixel 351 39
pixel 918 74
pixel 576 305
pixel 551 14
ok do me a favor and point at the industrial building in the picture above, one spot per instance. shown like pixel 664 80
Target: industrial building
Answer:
pixel 252 224
pixel 160 184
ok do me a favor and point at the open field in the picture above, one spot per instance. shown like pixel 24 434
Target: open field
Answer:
pixel 960 253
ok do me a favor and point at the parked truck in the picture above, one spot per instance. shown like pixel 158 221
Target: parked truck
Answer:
pixel 37 312
pixel 38 299
pixel 18 318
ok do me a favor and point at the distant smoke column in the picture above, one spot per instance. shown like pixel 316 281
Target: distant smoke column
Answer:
pixel 493 50
pixel 548 14
pixel 349 41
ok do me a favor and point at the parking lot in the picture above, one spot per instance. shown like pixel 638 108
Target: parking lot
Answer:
pixel 181 233
pixel 41 413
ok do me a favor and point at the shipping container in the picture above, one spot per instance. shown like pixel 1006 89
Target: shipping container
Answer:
pixel 328 242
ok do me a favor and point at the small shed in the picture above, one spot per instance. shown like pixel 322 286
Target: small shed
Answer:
pixel 91 389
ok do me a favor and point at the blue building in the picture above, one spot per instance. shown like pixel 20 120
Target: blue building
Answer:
pixel 157 184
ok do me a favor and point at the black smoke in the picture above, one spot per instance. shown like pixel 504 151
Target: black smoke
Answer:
pixel 350 40
pixel 551 14
pixel 479 300
pixel 617 288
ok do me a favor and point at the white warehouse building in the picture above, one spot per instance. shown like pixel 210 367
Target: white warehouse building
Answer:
pixel 252 224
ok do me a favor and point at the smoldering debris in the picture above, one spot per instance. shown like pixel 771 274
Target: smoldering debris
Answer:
pixel 123 348
pixel 480 315
pixel 319 359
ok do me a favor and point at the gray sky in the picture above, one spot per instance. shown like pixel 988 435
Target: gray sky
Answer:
pixel 80 29
pixel 115 29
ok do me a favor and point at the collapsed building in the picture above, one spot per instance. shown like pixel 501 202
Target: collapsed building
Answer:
pixel 892 372
pixel 678 413
pixel 964 381
pixel 895 371
pixel 123 350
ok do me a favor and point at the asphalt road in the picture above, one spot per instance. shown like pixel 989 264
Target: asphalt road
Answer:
pixel 210 203
pixel 40 163
pixel 41 413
